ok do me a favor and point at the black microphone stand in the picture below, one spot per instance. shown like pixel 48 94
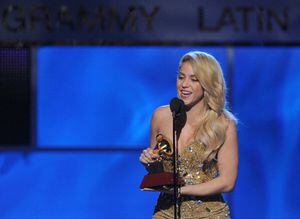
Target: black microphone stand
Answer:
pixel 175 166
pixel 179 119
pixel 178 123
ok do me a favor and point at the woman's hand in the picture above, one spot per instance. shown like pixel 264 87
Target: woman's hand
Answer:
pixel 148 157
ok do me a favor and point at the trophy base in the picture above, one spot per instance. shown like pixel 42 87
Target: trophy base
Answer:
pixel 156 181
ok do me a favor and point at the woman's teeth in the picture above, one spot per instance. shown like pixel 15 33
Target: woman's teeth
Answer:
pixel 186 93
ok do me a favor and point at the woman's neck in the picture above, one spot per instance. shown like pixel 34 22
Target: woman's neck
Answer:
pixel 195 113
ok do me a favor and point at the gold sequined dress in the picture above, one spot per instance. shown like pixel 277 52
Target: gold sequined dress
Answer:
pixel 194 171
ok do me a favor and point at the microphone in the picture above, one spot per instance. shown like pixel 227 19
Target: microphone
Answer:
pixel 177 108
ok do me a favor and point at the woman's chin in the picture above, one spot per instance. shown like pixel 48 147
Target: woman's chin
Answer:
pixel 188 104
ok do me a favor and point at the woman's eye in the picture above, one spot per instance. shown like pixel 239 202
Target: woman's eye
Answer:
pixel 180 77
pixel 195 80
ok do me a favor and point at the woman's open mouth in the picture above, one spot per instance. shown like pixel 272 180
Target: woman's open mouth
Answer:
pixel 185 94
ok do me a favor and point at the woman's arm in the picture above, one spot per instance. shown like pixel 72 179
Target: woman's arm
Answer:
pixel 228 168
pixel 154 129
pixel 147 156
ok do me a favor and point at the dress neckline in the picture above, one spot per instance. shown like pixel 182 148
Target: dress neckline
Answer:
pixel 185 148
pixel 191 142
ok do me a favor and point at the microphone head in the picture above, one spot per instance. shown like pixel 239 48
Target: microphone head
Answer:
pixel 178 112
pixel 176 105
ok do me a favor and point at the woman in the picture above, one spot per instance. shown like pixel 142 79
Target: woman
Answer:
pixel 207 145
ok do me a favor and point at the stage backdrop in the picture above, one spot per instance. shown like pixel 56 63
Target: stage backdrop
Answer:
pixel 104 96
pixel 103 100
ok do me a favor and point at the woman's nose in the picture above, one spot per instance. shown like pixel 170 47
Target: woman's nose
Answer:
pixel 185 83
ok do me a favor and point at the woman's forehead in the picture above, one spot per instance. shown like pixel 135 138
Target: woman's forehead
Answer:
pixel 186 73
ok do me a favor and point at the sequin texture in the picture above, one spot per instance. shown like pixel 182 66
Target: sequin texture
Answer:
pixel 194 170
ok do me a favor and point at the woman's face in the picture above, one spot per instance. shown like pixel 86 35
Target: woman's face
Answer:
pixel 189 88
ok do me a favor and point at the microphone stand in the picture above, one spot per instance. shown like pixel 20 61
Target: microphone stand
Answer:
pixel 175 166
pixel 179 119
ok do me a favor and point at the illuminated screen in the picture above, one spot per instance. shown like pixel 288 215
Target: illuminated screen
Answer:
pixel 104 96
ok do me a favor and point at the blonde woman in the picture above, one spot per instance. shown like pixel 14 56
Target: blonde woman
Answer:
pixel 207 146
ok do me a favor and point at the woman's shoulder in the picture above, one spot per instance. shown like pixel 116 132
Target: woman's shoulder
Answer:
pixel 163 110
pixel 162 113
pixel 160 119
pixel 229 119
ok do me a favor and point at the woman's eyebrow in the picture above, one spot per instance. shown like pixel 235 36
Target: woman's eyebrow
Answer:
pixel 182 73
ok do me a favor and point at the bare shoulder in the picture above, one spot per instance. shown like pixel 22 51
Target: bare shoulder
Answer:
pixel 229 150
pixel 162 112
pixel 229 119
pixel 230 122
pixel 231 127
pixel 161 116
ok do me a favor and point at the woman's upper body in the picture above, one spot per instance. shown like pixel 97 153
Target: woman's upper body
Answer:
pixel 201 86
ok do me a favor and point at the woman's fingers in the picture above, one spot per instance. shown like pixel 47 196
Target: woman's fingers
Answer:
pixel 143 158
pixel 151 154
pixel 147 156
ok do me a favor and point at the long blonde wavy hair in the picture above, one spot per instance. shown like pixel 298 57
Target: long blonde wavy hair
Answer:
pixel 212 128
